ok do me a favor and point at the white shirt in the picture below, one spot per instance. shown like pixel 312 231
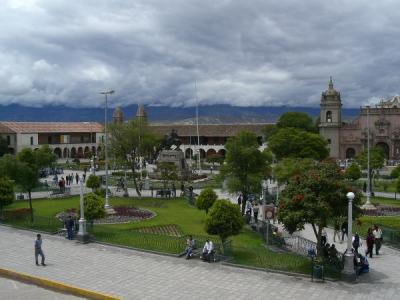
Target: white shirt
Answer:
pixel 377 233
pixel 208 247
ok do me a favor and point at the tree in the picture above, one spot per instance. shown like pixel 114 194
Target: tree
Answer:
pixel 297 120
pixel 376 161
pixel 353 172
pixel 245 166
pixel 132 140
pixel 293 142
pixel 269 130
pixel 93 207
pixel 167 171
pixel 24 168
pixel 398 185
pixel 314 197
pixel 289 167
pixel 206 199
pixel 93 182
pixel 3 146
pixel 224 220
pixel 7 193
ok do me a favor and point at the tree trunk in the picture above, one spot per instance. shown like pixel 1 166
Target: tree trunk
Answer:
pixel 30 204
pixel 318 236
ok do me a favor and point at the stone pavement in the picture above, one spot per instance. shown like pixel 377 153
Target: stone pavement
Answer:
pixel 138 275
pixel 11 289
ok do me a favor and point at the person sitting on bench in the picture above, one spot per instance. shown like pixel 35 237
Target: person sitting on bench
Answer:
pixel 190 244
pixel 208 250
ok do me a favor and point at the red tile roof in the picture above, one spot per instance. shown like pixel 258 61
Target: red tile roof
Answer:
pixel 50 127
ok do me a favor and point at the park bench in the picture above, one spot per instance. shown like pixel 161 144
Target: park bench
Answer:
pixel 56 192
pixel 217 255
pixel 163 193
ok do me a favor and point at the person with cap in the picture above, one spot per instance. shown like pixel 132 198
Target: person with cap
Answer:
pixel 208 250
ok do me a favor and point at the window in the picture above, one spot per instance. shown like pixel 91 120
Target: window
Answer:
pixel 329 116
pixel 81 138
pixel 49 139
pixel 8 140
pixel 31 140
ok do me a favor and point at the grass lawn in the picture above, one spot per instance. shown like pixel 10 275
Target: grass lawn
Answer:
pixel 247 247
pixel 385 201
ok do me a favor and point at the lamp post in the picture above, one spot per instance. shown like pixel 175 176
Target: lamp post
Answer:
pixel 106 93
pixel 82 235
pixel 348 270
pixel 368 205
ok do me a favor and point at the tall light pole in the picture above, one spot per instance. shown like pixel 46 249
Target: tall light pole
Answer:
pixel 106 93
pixel 368 205
pixel 82 235
pixel 348 270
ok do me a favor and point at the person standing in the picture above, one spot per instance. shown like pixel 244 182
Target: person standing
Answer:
pixel 77 178
pixel 336 230
pixel 208 250
pixel 70 228
pixel 356 242
pixel 377 238
pixel 370 243
pixel 344 229
pixel 239 199
pixel 323 237
pixel 255 212
pixel 38 249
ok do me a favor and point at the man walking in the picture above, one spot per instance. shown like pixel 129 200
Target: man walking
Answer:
pixel 38 249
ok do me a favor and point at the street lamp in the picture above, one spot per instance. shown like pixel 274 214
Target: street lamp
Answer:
pixel 105 93
pixel 348 270
pixel 82 235
pixel 368 205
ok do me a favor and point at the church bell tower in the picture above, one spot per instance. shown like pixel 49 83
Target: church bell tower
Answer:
pixel 331 119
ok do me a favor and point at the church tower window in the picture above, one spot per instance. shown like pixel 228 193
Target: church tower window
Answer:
pixel 329 116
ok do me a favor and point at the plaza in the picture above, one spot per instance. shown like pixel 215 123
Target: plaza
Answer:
pixel 131 274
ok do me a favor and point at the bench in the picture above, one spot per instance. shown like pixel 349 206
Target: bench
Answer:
pixel 217 254
pixel 56 192
pixel 163 193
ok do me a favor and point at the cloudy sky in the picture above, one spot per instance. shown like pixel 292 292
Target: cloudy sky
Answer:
pixel 244 53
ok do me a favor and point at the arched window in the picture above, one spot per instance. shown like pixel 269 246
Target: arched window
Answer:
pixel 329 116
pixel 31 140
pixel 350 153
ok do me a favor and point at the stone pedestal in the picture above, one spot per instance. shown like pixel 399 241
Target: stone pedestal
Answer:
pixel 110 211
pixel 348 273
pixel 82 236
pixel 368 206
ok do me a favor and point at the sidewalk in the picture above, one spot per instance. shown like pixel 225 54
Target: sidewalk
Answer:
pixel 138 275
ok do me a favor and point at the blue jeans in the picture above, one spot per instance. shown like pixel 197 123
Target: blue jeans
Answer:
pixel 70 233
pixel 188 251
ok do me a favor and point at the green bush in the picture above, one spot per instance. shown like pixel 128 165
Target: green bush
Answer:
pixel 93 182
pixel 224 219
pixel 93 207
pixel 206 199
pixel 7 194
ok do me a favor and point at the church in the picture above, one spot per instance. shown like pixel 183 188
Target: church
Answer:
pixel 347 139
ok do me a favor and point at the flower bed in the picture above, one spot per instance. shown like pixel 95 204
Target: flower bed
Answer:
pixel 383 210
pixel 125 214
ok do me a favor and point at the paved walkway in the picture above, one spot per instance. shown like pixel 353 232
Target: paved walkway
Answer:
pixel 137 275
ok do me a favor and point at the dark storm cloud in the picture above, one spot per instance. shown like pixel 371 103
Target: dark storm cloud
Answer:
pixel 238 52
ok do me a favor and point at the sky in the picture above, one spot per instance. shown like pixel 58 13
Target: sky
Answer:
pixel 183 52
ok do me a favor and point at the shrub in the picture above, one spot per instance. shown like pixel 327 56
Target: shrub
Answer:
pixel 224 219
pixel 206 199
pixel 93 207
pixel 18 213
pixel 7 194
pixel 93 182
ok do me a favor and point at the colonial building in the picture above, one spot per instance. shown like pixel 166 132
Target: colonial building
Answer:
pixel 209 140
pixel 66 139
pixel 348 139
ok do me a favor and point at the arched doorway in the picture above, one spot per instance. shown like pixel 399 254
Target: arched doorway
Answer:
pixel 65 153
pixel 222 152
pixel 57 151
pixel 384 147
pixel 80 152
pixel 188 153
pixel 211 152
pixel 93 150
pixel 202 153
pixel 350 153
pixel 73 152
pixel 87 152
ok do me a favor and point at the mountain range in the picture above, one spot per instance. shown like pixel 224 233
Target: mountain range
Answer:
pixel 211 114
